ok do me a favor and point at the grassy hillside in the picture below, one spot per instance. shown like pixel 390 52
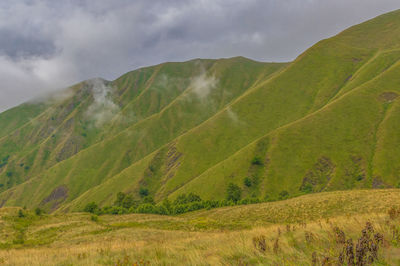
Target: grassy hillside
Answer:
pixel 326 121
pixel 312 229
pixel 103 134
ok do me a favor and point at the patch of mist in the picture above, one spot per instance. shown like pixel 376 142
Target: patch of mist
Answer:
pixel 233 116
pixel 53 97
pixel 203 84
pixel 125 118
pixel 163 82
pixel 103 109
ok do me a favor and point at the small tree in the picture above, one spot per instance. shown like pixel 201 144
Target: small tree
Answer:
pixel 233 192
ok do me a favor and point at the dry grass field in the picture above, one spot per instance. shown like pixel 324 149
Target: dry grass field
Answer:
pixel 309 230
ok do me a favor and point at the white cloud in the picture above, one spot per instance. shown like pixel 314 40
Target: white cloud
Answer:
pixel 103 109
pixel 203 84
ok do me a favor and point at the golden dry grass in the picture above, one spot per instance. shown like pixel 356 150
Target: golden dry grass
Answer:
pixel 202 238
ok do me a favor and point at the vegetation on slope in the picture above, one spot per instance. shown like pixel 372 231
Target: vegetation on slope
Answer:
pixel 326 121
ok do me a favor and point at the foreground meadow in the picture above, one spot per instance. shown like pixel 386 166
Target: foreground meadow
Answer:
pixel 320 229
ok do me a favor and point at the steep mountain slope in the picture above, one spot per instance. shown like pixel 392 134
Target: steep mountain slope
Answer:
pixel 328 141
pixel 327 121
pixel 106 131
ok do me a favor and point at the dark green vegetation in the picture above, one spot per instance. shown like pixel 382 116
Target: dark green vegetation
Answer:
pixel 227 129
pixel 183 203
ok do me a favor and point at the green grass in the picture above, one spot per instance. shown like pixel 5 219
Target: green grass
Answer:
pixel 326 121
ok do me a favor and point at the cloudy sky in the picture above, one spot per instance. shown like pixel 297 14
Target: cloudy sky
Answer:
pixel 46 44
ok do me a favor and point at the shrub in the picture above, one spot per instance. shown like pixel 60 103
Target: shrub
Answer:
pixel 257 161
pixel 249 201
pixel 181 199
pixel 143 192
pixel 94 218
pixel 120 198
pixel 182 204
pixel 105 210
pixel 4 161
pixel 125 201
pixel 146 208
pixel 194 206
pixel 38 211
pixel 185 199
pixel 254 200
pixel 193 197
pixel 233 193
pixel 161 210
pixel 21 214
pixel 308 188
pixel 149 200
pixel 223 203
pixel 283 195
pixel 91 207
pixel 128 202
pixel 167 205
pixel 209 204
pixel 117 210
pixel 244 201
pixel 181 208
pixel 247 182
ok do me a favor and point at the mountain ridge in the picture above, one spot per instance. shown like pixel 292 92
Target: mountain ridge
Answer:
pixel 195 126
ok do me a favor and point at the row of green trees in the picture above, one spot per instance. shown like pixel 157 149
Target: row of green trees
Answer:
pixel 126 203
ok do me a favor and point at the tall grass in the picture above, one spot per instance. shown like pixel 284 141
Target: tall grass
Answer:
pixel 139 239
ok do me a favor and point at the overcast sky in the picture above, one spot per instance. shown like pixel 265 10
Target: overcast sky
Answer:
pixel 47 44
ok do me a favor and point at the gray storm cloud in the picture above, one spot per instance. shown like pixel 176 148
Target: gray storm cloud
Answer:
pixel 48 45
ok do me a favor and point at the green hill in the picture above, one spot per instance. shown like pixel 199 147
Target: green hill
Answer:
pixel 326 121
